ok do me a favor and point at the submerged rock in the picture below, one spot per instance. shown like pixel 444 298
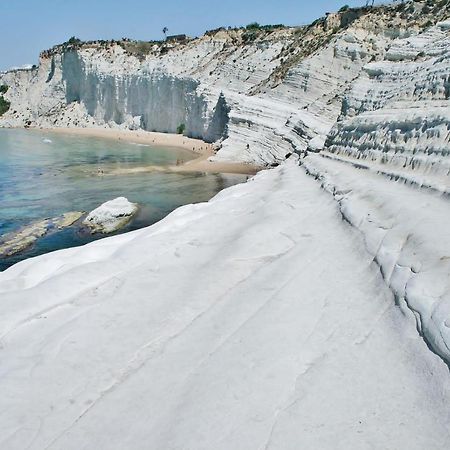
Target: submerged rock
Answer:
pixel 15 242
pixel 67 219
pixel 111 215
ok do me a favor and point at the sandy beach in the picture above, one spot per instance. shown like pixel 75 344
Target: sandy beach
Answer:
pixel 197 146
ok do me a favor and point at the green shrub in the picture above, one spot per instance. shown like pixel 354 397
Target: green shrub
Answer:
pixel 4 105
pixel 139 49
pixel 3 89
pixel 344 8
pixel 253 26
pixel 215 30
pixel 181 128
pixel 249 36
pixel 74 41
pixel 272 27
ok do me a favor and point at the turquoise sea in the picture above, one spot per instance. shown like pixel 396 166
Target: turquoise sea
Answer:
pixel 43 174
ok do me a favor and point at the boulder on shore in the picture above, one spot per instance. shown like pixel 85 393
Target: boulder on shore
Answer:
pixel 111 215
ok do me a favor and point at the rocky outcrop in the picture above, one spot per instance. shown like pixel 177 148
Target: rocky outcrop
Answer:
pixel 111 215
pixel 13 243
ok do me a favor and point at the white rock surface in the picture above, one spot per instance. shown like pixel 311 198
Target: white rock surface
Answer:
pixel 257 320
pixel 406 232
pixel 111 215
pixel 290 312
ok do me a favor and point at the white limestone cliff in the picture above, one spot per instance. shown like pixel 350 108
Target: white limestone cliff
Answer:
pixel 261 94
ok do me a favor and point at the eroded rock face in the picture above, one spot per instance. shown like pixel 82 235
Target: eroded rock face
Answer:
pixel 396 117
pixel 259 94
pixel 111 215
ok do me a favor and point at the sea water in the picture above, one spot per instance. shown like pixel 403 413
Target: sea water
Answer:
pixel 44 174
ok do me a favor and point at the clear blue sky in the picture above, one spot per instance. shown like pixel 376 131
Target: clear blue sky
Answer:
pixel 29 26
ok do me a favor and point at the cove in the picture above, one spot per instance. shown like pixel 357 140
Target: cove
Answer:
pixel 44 174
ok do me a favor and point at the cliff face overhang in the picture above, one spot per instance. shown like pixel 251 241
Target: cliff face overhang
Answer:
pixel 65 90
pixel 157 101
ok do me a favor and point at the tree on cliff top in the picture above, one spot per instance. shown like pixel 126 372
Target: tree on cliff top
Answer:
pixel 253 26
pixel 74 41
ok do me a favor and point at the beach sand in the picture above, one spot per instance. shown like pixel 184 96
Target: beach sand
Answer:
pixel 201 148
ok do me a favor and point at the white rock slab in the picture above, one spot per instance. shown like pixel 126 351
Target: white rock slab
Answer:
pixel 257 320
pixel 111 215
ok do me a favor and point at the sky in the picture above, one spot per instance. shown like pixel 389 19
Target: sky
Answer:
pixel 29 26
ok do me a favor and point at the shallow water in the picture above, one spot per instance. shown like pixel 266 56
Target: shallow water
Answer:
pixel 43 174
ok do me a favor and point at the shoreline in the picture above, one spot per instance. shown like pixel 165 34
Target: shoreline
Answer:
pixel 202 149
